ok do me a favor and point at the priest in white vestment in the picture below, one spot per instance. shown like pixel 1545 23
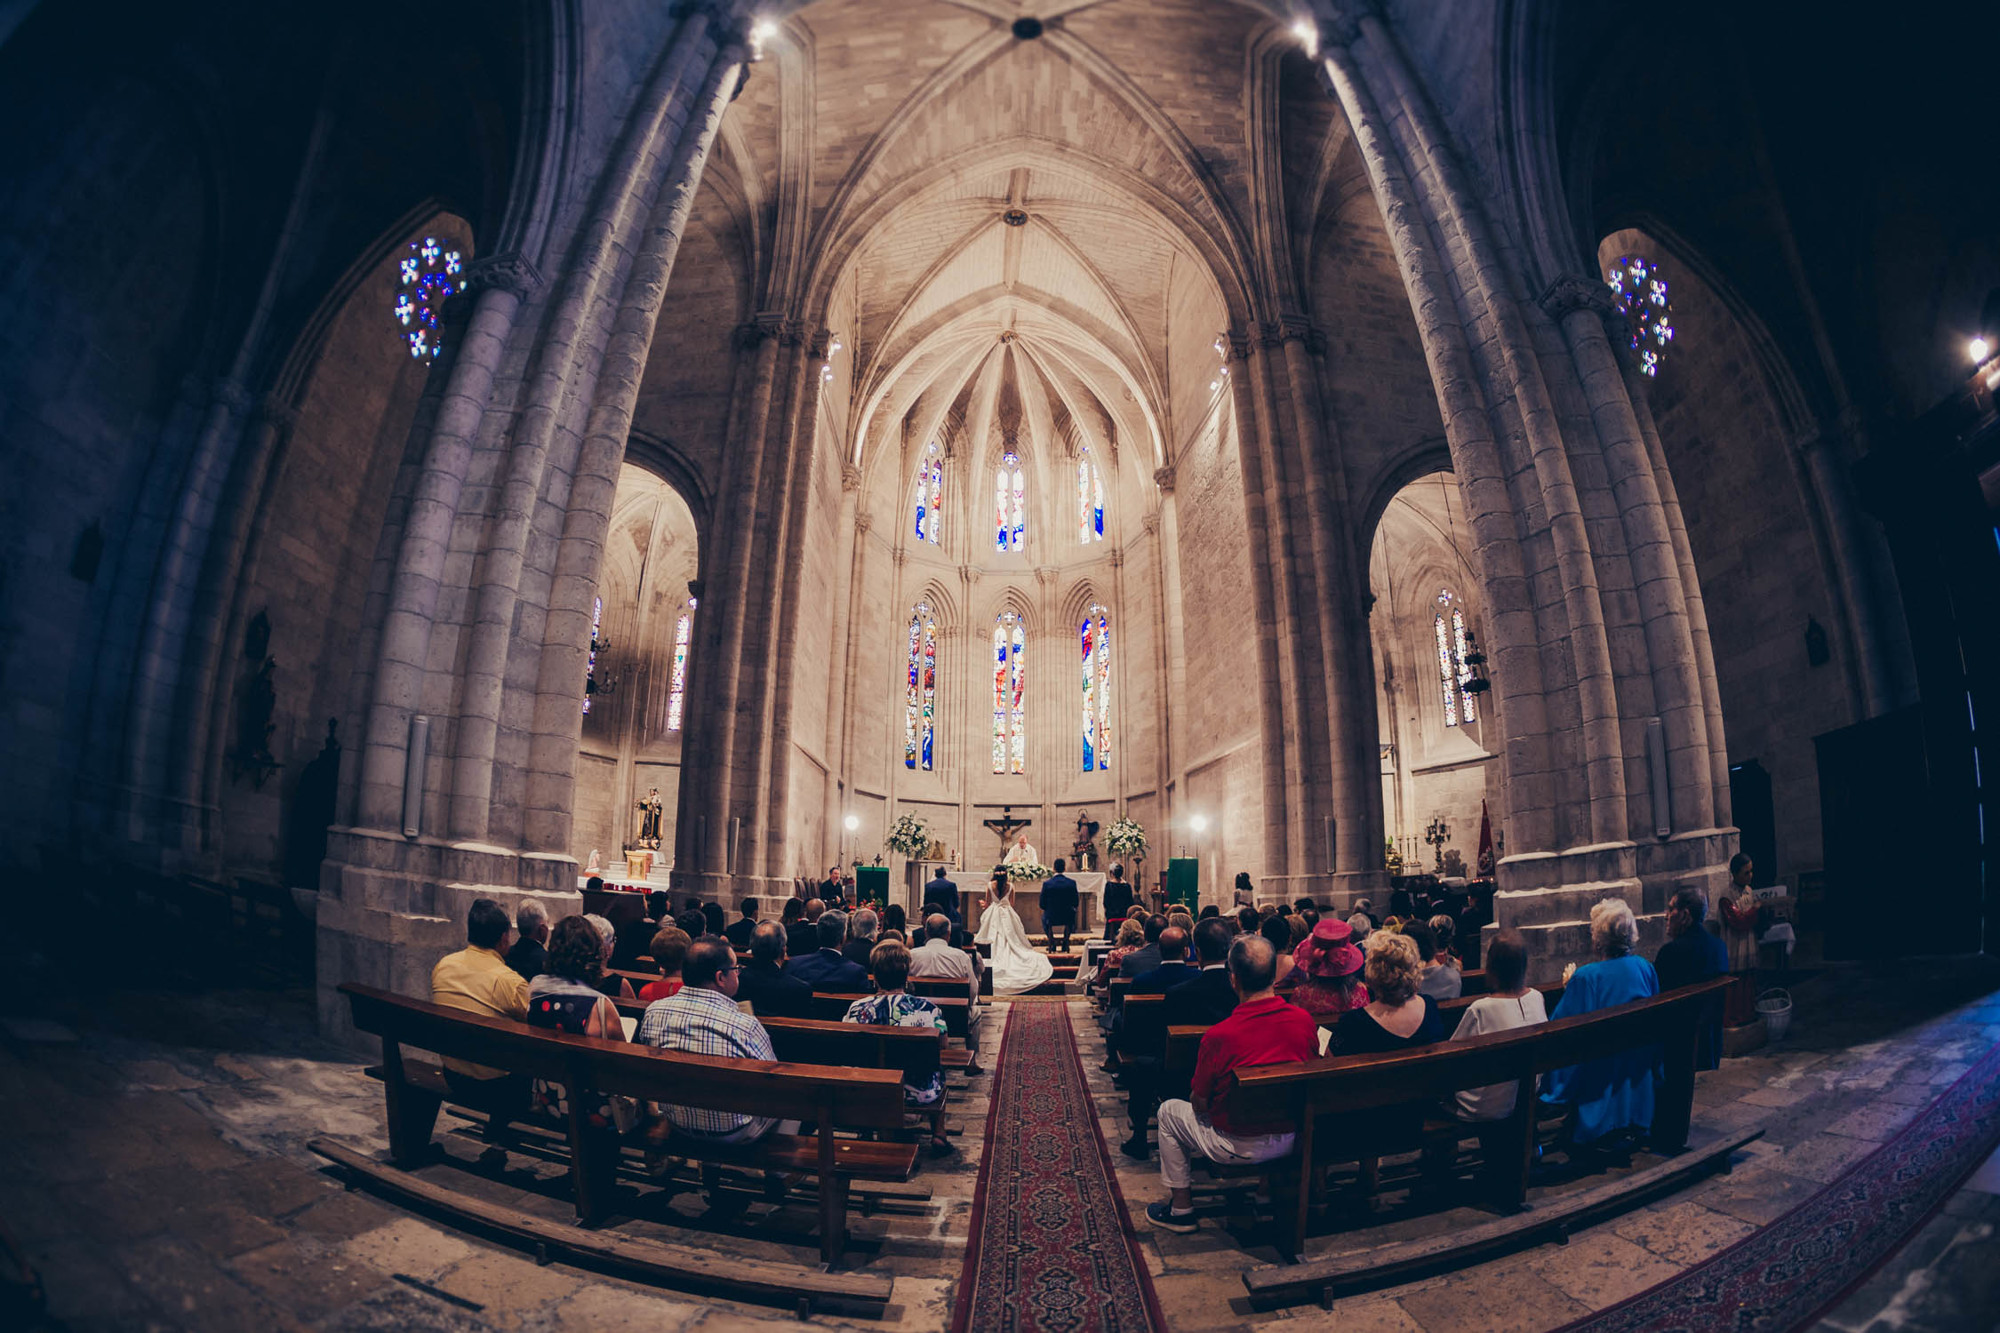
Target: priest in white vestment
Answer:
pixel 1020 852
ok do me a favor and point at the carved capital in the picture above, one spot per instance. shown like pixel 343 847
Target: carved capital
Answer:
pixel 1151 523
pixel 1118 557
pixel 822 339
pixel 792 333
pixel 1240 343
pixel 1163 477
pixel 509 271
pixel 228 393
pixel 1570 293
pixel 277 413
pixel 863 520
pixel 900 556
pixel 850 477
pixel 1045 574
pixel 968 574
pixel 1342 24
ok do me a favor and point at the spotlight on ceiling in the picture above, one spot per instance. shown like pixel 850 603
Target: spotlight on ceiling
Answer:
pixel 1199 823
pixel 1979 349
pixel 1308 34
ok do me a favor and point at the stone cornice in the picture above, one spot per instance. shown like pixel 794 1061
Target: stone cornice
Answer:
pixel 1570 293
pixel 509 271
pixel 850 477
pixel 1163 477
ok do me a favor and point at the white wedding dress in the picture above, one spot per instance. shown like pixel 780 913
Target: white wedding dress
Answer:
pixel 1016 965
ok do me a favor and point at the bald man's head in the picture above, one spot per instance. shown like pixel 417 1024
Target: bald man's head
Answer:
pixel 1173 944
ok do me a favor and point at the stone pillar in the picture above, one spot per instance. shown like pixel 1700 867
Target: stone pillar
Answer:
pixel 848 530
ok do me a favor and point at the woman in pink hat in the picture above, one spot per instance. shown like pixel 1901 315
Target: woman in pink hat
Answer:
pixel 1327 980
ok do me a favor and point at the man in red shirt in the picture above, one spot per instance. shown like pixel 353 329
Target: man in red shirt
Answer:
pixel 1263 1030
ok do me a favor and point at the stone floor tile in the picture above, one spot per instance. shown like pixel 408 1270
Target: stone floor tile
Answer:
pixel 1195 1301
pixel 407 1246
pixel 1685 1233
pixel 310 1286
pixel 401 1309
pixel 510 1286
pixel 614 1308
pixel 1355 1314
pixel 1505 1297
pixel 1824 1157
pixel 190 1290
pixel 1879 1122
pixel 1755 1194
pixel 342 1216
pixel 1600 1268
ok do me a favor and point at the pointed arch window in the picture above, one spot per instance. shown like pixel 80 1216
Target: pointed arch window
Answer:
pixel 1010 714
pixel 930 495
pixel 1454 672
pixel 1010 504
pixel 1096 638
pixel 677 682
pixel 429 272
pixel 590 669
pixel 920 700
pixel 1089 500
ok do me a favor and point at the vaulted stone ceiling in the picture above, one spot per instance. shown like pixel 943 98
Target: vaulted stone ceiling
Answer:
pixel 933 182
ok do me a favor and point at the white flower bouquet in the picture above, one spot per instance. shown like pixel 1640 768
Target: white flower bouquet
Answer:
pixel 1029 870
pixel 909 836
pixel 1125 838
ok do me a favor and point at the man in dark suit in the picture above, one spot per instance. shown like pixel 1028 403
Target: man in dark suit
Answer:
pixel 802 927
pixel 1207 997
pixel 1118 900
pixel 826 968
pixel 1059 901
pixel 861 928
pixel 941 895
pixel 1147 957
pixel 763 982
pixel 530 954
pixel 631 939
pixel 739 931
pixel 1142 1033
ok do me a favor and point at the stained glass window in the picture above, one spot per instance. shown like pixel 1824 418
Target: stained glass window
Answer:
pixel 1010 504
pixel 1089 500
pixel 1454 673
pixel 920 714
pixel 1642 294
pixel 430 271
pixel 1010 714
pixel 930 495
pixel 1096 636
pixel 677 686
pixel 590 671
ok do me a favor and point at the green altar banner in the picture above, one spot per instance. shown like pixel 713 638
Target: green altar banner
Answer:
pixel 1184 882
pixel 871 885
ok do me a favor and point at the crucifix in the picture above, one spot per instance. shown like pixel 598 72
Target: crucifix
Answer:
pixel 1006 825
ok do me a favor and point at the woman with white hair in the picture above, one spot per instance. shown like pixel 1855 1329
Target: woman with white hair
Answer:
pixel 1615 1093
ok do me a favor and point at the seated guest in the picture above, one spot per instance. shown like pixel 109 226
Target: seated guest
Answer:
pixel 615 986
pixel 1397 1016
pixel 860 943
pixel 1362 926
pixel 1446 932
pixel 1247 920
pixel 1263 1029
pixel 1512 1003
pixel 894 918
pixel 800 938
pixel 632 938
pixel 1309 915
pixel 1278 930
pixel 1131 935
pixel 1059 904
pixel 826 968
pixel 1616 1092
pixel 702 1019
pixel 1136 1036
pixel 892 1006
pixel 1208 996
pixel 1327 981
pixel 595 884
pixel 1147 956
pixel 1244 894
pixel 669 949
pixel 714 919
pixel 1172 948
pixel 530 954
pixel 1209 911
pixel 1692 953
pixel 739 931
pixel 1441 981
pixel 937 959
pixel 565 998
pixel 477 980
pixel 1178 917
pixel 694 922
pixel 1118 900
pixel 763 982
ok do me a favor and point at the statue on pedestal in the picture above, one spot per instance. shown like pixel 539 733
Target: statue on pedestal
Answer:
pixel 649 820
pixel 1084 850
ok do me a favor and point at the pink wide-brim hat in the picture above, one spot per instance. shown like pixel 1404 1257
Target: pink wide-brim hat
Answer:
pixel 1329 951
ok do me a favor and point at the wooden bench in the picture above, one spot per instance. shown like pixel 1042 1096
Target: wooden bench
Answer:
pixel 1311 1091
pixel 830 1097
pixel 834 1005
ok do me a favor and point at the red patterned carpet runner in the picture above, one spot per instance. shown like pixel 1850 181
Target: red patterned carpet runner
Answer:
pixel 1051 1249
pixel 1796 1269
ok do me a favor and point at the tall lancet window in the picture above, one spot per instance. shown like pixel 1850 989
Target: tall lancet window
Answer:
pixel 1448 627
pixel 677 684
pixel 930 495
pixel 920 704
pixel 1010 504
pixel 1096 636
pixel 1089 500
pixel 1010 712
pixel 590 667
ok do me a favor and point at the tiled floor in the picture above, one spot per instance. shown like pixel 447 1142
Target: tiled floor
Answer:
pixel 159 1180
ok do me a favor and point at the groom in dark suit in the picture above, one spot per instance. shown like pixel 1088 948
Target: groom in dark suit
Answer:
pixel 941 895
pixel 1059 899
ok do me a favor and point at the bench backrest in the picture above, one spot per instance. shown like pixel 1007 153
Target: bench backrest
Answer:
pixel 941 988
pixel 860 1098
pixel 1356 1082
pixel 913 1052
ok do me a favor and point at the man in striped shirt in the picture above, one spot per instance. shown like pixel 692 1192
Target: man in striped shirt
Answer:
pixel 702 1019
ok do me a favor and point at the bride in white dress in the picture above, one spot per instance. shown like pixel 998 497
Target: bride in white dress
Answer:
pixel 1016 965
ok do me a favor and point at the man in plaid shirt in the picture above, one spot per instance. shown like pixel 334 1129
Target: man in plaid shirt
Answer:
pixel 702 1019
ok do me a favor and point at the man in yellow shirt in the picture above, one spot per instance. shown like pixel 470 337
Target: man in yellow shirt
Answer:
pixel 478 980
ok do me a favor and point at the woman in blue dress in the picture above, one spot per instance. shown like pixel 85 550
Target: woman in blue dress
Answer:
pixel 1616 1092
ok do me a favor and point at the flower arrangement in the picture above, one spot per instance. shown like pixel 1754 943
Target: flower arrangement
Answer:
pixel 1125 838
pixel 909 836
pixel 1028 870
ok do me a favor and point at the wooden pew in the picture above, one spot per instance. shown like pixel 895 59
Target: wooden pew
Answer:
pixel 833 1007
pixel 830 1097
pixel 1303 1094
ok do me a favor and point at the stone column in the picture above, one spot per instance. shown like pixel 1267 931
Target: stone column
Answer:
pixel 848 531
pixel 1165 531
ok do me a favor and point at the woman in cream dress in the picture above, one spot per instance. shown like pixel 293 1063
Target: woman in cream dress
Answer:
pixel 1016 965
